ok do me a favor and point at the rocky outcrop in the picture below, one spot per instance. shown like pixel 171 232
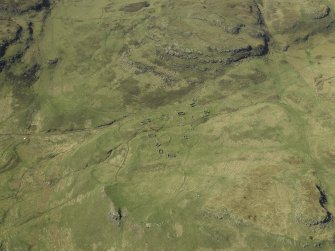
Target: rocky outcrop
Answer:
pixel 134 7
pixel 21 7
pixel 11 33
pixel 323 12
pixel 217 55
pixel 323 202
pixel 205 37
pixel 8 39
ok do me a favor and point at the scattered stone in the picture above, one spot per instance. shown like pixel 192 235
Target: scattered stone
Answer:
pixel 152 135
pixel 181 113
pixel 53 62
pixel 146 121
pixel 285 48
pixel 206 112
pixel 171 155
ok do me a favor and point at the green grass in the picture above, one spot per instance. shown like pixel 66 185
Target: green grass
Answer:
pixel 196 154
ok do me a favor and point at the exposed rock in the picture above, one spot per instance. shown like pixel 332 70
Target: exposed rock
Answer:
pixel 323 12
pixel 172 155
pixel 220 32
pixel 13 35
pixel 116 216
pixel 20 7
pixel 53 62
pixel 27 78
pixel 10 33
pixel 323 201
pixel 135 6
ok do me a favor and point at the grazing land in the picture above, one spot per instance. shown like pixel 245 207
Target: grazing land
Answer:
pixel 167 125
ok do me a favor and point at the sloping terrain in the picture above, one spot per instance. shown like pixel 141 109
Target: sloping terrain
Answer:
pixel 167 125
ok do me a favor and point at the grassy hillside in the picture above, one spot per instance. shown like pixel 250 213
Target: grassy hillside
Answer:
pixel 167 125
